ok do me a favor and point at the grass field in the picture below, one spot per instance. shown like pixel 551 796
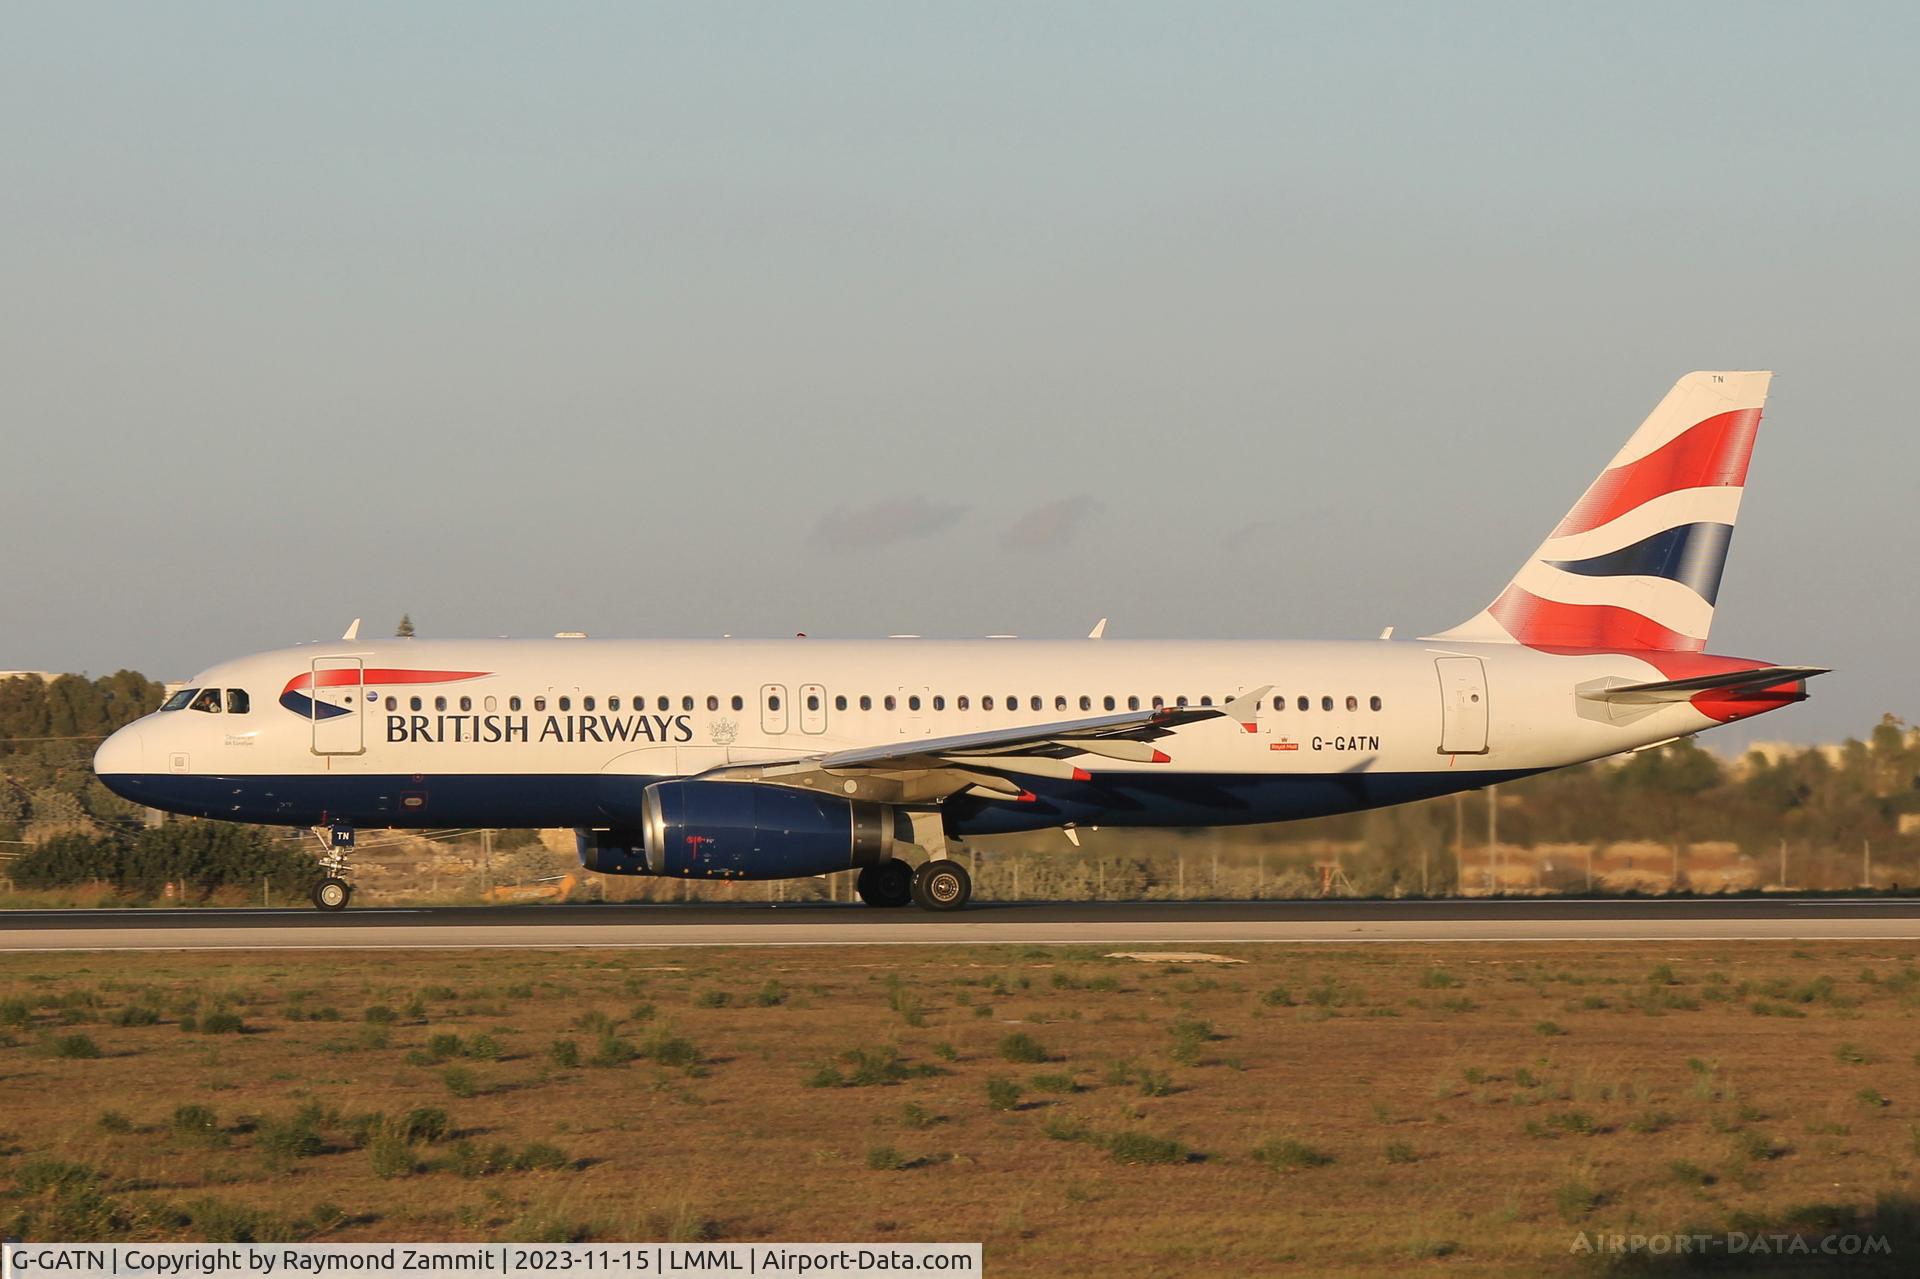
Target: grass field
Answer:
pixel 1463 1109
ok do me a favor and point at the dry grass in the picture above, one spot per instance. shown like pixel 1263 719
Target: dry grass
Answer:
pixel 1311 1111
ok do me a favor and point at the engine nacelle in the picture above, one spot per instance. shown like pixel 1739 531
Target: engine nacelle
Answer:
pixel 749 830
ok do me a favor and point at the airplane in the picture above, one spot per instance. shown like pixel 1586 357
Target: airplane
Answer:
pixel 736 759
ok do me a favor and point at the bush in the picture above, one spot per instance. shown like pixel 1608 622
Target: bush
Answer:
pixel 483 1048
pixel 222 1023
pixel 914 1115
pixel 1575 1199
pixel 441 1047
pixel 538 1156
pixel 390 1156
pixel 1054 1083
pixel 1003 1094
pixel 612 1050
pixel 422 1124
pixel 1022 1047
pixel 1065 1128
pixel 670 1049
pixel 1142 1148
pixel 885 1159
pixel 712 999
pixel 137 1015
pixel 770 994
pixel 115 1122
pixel 289 1139
pixel 564 1053
pixel 197 1123
pixel 77 1047
pixel 1399 1152
pixel 380 1015
pixel 15 1012
pixel 459 1081
pixel 198 857
pixel 1285 1154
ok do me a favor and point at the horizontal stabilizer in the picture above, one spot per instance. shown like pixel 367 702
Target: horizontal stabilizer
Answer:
pixel 1680 690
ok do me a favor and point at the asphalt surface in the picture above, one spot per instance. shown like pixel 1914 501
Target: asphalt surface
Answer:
pixel 1134 923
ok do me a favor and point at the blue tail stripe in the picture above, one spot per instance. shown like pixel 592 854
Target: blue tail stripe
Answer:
pixel 1694 555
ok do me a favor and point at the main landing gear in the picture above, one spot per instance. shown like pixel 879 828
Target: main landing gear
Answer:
pixel 334 891
pixel 942 884
pixel 888 884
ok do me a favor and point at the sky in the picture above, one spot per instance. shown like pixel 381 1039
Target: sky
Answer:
pixel 1239 321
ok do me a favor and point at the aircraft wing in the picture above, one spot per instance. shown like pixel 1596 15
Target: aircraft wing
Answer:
pixel 925 769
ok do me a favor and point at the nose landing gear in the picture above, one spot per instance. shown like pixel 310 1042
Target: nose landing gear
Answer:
pixel 336 842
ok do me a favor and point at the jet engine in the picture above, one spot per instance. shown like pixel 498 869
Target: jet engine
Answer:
pixel 741 830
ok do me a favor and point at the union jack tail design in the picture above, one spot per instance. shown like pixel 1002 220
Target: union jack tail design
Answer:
pixel 1636 563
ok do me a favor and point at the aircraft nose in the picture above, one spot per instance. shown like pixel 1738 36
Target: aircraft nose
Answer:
pixel 121 755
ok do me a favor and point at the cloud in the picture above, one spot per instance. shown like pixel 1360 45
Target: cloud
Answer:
pixel 1051 525
pixel 897 519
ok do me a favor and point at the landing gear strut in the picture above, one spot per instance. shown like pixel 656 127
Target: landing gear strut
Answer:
pixel 336 842
pixel 942 885
pixel 888 884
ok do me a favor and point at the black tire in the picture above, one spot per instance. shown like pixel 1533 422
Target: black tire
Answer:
pixel 942 885
pixel 887 885
pixel 332 894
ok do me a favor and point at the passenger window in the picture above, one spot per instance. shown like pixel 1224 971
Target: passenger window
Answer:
pixel 1279 703
pixel 1133 702
pixel 613 704
pixel 539 703
pixel 939 702
pixel 889 702
pixel 440 703
pixel 1206 701
pixel 208 701
pixel 414 703
pixel 1374 702
pixel 1059 702
pixel 736 703
pixel 840 702
pixel 665 703
pixel 913 702
pixel 586 704
pixel 813 701
pixel 1159 702
pixel 686 702
pixel 237 701
pixel 566 704
pixel 492 703
pixel 513 703
pixel 713 701
pixel 393 703
pixel 1353 703
pixel 466 703
pixel 180 700
pixel 1180 700
pixel 773 701
pixel 1304 704
pixel 962 703
pixel 1108 702
pixel 1326 703
pixel 866 703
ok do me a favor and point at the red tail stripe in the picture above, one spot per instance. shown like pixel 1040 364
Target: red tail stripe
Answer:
pixel 354 675
pixel 1709 454
pixel 1540 623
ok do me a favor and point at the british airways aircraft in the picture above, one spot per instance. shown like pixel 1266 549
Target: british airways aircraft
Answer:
pixel 734 759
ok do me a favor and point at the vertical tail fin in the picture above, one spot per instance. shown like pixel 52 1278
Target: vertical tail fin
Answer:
pixel 1636 563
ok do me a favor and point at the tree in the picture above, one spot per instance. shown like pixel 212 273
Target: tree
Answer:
pixel 405 629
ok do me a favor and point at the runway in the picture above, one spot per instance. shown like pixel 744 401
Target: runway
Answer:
pixel 1079 923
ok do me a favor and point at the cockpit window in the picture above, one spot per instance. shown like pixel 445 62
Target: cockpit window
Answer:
pixel 208 701
pixel 237 701
pixel 178 702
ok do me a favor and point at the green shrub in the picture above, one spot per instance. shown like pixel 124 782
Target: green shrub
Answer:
pixel 1143 1148
pixel 1065 1128
pixel 1399 1152
pixel 612 1050
pixel 289 1139
pixel 459 1081
pixel 712 999
pixel 564 1053
pixel 422 1124
pixel 1003 1094
pixel 114 1122
pixel 885 1159
pixel 76 1047
pixel 1056 1083
pixel 222 1023
pixel 1438 979
pixel 1285 1154
pixel 1022 1047
pixel 1190 1039
pixel 770 994
pixel 483 1048
pixel 441 1047
pixel 1575 1199
pixel 1278 997
pixel 380 1015
pixel 390 1156
pixel 1549 1029
pixel 197 1123
pixel 540 1157
pixel 669 1049
pixel 137 1015
pixel 916 1116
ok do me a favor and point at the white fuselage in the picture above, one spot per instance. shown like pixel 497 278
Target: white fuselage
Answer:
pixel 555 732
